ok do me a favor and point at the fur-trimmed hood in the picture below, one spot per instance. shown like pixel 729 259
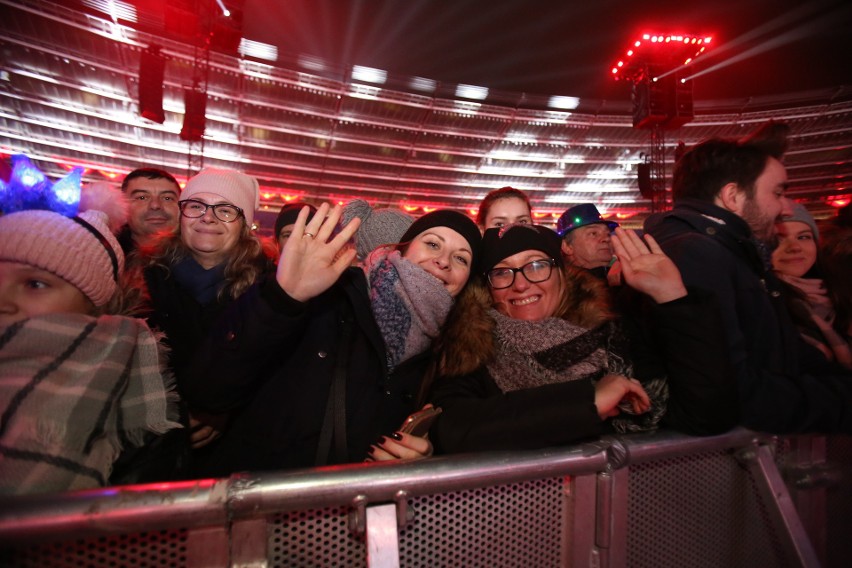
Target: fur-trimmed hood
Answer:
pixel 468 341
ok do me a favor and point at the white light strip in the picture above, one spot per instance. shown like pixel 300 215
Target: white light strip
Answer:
pixel 422 84
pixel 564 103
pixel 114 9
pixel 369 74
pixel 257 49
pixel 472 92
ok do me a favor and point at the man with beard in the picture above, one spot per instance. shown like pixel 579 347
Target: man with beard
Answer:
pixel 152 195
pixel 728 196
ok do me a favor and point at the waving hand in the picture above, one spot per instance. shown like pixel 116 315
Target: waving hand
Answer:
pixel 310 263
pixel 646 267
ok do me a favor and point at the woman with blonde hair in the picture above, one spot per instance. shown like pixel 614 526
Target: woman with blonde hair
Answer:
pixel 193 275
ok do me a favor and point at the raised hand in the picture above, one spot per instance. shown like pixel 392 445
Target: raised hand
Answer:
pixel 646 267
pixel 309 262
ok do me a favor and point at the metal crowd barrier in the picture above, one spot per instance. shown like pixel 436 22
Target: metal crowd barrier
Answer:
pixel 663 499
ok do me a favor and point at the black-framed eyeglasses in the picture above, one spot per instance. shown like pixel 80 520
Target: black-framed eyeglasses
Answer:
pixel 535 271
pixel 225 212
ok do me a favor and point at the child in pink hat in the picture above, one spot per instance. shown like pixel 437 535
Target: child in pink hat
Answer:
pixel 77 386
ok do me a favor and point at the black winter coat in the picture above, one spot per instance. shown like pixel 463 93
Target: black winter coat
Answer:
pixel 177 314
pixel 781 389
pixel 270 361
pixel 682 340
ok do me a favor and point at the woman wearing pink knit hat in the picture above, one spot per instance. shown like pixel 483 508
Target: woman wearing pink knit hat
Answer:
pixel 105 397
pixel 193 275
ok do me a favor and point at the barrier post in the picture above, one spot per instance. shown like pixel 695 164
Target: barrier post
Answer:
pixel 761 462
pixel 578 543
pixel 382 536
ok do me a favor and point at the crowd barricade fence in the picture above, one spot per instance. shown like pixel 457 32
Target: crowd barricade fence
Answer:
pixel 655 500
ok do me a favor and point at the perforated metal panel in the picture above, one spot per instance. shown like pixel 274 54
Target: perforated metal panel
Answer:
pixel 155 549
pixel 318 537
pixel 697 511
pixel 507 525
pixel 839 501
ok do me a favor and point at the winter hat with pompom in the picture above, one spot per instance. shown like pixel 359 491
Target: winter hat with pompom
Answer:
pixel 81 250
pixel 378 226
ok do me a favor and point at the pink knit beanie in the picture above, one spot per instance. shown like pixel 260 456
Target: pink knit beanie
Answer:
pixel 236 188
pixel 81 250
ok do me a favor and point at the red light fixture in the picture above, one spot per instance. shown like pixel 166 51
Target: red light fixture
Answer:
pixel 680 47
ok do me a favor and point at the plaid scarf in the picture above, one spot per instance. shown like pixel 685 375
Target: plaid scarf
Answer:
pixel 409 304
pixel 74 390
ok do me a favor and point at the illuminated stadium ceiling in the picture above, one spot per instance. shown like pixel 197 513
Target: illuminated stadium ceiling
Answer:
pixel 314 130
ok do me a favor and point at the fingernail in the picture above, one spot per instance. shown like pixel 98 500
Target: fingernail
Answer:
pixel 371 450
pixel 396 436
pixel 381 441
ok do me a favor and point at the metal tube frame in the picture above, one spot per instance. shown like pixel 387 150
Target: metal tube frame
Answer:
pixel 230 514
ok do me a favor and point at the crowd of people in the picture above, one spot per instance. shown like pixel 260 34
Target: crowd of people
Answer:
pixel 154 336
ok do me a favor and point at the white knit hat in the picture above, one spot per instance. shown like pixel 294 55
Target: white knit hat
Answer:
pixel 235 187
pixel 81 250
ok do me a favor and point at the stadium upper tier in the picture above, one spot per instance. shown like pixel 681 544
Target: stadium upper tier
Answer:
pixel 69 97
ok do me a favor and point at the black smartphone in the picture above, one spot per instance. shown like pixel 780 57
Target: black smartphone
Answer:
pixel 418 423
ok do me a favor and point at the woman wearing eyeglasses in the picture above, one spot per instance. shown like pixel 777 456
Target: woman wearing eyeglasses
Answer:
pixel 534 355
pixel 193 275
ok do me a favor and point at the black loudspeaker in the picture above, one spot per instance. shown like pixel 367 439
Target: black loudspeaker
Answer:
pixel 652 100
pixel 194 120
pixel 683 109
pixel 643 175
pixel 152 66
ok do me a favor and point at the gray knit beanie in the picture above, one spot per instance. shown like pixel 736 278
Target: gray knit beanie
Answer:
pixel 378 226
pixel 802 215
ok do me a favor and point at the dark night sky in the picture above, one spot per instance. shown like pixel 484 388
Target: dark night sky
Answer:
pixel 565 48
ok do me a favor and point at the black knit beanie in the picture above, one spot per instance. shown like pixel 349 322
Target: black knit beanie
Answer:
pixel 502 242
pixel 454 220
pixel 288 214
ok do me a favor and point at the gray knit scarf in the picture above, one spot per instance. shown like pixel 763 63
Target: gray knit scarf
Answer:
pixel 535 353
pixel 409 304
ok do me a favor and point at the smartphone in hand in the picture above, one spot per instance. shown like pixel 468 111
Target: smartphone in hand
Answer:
pixel 418 423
